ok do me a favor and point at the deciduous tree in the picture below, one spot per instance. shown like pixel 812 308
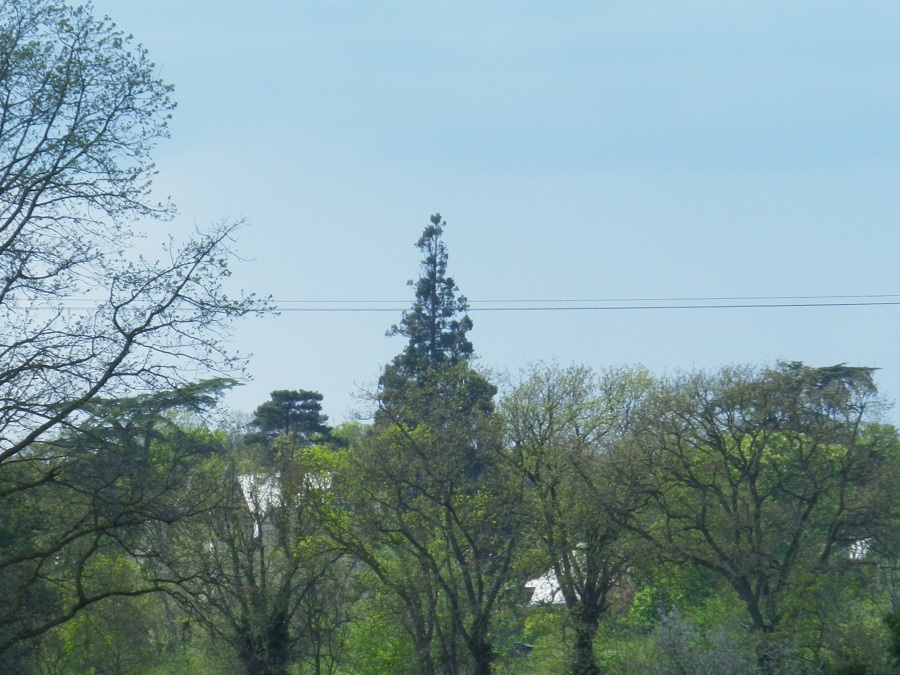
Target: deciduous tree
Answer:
pixel 81 108
pixel 93 498
pixel 763 476
pixel 255 570
pixel 439 535
pixel 563 428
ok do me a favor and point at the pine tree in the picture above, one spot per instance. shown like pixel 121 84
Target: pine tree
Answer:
pixel 293 413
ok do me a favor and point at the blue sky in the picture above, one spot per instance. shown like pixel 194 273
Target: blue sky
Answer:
pixel 578 150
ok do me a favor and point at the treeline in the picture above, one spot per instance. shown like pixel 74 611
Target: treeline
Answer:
pixel 560 520
pixel 742 521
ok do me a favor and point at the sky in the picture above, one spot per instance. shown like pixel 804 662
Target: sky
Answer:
pixel 614 152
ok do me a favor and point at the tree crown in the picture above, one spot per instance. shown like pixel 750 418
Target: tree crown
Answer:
pixel 292 412
pixel 437 323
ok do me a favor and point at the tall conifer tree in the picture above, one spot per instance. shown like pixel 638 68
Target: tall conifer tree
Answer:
pixel 437 323
pixel 441 512
pixel 436 327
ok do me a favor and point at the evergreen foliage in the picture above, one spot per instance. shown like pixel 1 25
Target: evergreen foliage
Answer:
pixel 94 501
pixel 742 521
pixel 293 413
pixel 437 324
pixel 436 328
pixel 438 517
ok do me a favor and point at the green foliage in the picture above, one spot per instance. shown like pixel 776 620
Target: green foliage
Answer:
pixel 435 513
pixel 376 643
pixel 563 429
pixel 433 326
pixel 544 632
pixel 80 475
pixel 293 413
pixel 117 635
pixel 660 588
pixel 761 476
pixel 255 570
pixel 892 621
pixel 682 647
pixel 99 495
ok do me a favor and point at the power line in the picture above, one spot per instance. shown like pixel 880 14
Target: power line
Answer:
pixel 578 305
pixel 596 300
pixel 587 308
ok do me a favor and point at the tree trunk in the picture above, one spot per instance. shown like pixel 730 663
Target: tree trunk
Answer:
pixel 583 660
pixel 481 649
pixel 767 658
pixel 268 653
pixel 483 662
